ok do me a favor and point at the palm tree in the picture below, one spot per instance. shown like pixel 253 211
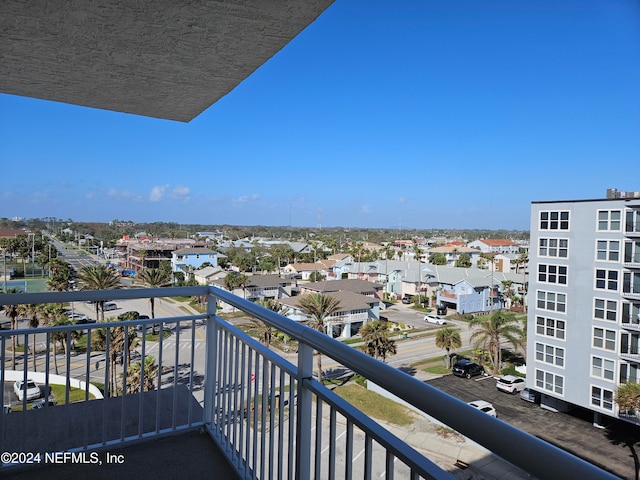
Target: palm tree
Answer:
pixel 266 330
pixel 319 307
pixel 154 278
pixel 448 338
pixel 32 312
pixel 134 375
pixel 377 343
pixel 628 397
pixel 13 312
pixel 490 330
pixel 61 337
pixel 99 277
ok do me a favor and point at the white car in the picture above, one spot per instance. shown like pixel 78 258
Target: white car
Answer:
pixel 435 319
pixel 28 389
pixel 511 384
pixel 485 407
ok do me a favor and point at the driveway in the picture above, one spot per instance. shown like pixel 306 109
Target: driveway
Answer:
pixel 613 448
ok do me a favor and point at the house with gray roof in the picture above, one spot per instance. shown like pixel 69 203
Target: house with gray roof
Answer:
pixel 355 310
pixel 260 287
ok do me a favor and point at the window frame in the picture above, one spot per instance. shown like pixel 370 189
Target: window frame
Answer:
pixel 605 309
pixel 609 220
pixel 551 324
pixel 604 339
pixel 603 369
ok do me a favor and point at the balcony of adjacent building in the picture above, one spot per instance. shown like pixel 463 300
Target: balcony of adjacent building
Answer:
pixel 631 257
pixel 632 223
pixel 193 394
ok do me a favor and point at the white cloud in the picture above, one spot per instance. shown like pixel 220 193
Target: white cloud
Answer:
pixel 182 191
pixel 157 193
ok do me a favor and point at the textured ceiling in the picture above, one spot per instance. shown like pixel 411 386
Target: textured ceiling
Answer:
pixel 168 59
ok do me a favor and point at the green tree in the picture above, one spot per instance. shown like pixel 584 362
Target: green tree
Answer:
pixel 99 277
pixel 377 343
pixel 135 375
pixel 464 260
pixel 266 331
pixel 319 307
pixel 154 278
pixel 448 338
pixel 316 276
pixel 628 397
pixel 32 312
pixel 437 259
pixel 13 312
pixel 489 331
pixel 60 276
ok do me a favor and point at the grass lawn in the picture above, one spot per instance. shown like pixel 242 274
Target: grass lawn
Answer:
pixel 375 405
pixel 58 391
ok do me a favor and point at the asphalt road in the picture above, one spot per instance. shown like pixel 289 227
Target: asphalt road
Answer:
pixel 613 448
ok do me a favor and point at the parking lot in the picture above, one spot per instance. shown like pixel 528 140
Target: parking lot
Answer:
pixel 612 448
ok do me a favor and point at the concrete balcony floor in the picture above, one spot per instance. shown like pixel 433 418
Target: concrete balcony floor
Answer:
pixel 189 455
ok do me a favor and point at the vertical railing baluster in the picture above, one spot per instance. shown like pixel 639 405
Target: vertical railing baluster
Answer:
pixel 211 359
pixel 318 443
pixel 192 361
pixel 176 372
pixel 332 443
pixel 348 463
pixel 303 420
pixel 368 456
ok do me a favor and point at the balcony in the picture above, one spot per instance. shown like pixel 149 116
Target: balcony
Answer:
pixel 260 415
pixel 630 353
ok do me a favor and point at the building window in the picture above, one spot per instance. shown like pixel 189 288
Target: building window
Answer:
pixel 550 382
pixel 607 279
pixel 605 339
pixel 552 274
pixel 553 247
pixel 556 302
pixel 602 368
pixel 601 398
pixel 608 250
pixel 609 220
pixel 550 327
pixel 554 220
pixel 550 354
pixel 605 309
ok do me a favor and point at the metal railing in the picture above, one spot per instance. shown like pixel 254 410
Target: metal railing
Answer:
pixel 267 413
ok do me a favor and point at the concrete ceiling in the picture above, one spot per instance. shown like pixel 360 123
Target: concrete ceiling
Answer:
pixel 167 59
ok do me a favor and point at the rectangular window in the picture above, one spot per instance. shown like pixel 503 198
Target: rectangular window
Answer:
pixel 556 302
pixel 609 220
pixel 553 247
pixel 602 368
pixel 550 354
pixel 552 274
pixel 605 309
pixel 607 279
pixel 550 327
pixel 602 398
pixel 608 250
pixel 549 381
pixel 605 339
pixel 554 220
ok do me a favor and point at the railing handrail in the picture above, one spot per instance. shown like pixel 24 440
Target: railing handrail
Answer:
pixel 513 445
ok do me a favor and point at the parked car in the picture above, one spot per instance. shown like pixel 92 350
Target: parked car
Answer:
pixel 27 389
pixel 510 384
pixel 110 306
pixel 530 395
pixel 406 300
pixel 84 320
pixel 435 319
pixel 485 407
pixel 41 404
pixel 466 368
pixel 442 310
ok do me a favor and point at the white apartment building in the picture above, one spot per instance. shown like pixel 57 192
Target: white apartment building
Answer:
pixel 584 302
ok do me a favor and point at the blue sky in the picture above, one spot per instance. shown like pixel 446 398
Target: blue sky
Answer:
pixel 411 114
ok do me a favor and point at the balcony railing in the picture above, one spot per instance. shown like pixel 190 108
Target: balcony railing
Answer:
pixel 270 417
